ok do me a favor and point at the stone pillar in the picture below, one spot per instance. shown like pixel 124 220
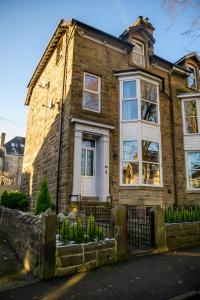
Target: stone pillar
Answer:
pixel 104 167
pixel 77 163
pixel 48 245
pixel 119 218
pixel 159 229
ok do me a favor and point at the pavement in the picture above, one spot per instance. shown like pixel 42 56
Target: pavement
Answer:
pixel 12 273
pixel 171 275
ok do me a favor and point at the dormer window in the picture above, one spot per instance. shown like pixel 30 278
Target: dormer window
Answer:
pixel 192 79
pixel 138 53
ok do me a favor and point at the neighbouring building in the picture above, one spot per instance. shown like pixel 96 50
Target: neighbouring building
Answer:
pixel 11 158
pixel 110 118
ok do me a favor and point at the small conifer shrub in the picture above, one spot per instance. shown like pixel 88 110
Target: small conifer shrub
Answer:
pixel 43 201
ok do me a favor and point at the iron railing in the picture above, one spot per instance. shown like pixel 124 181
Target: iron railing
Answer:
pixel 184 213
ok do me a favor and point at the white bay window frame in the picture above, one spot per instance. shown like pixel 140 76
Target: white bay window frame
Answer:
pixel 139 123
pixel 184 115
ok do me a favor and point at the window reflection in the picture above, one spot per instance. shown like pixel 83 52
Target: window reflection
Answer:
pixel 193 161
pixel 149 111
pixel 190 108
pixel 151 173
pixel 150 151
pixel 130 173
pixel 130 150
pixel 91 83
pixel 148 91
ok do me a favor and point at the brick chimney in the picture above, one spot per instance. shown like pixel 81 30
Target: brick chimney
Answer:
pixel 2 139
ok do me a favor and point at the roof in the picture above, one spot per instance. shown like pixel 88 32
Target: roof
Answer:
pixel 169 63
pixel 15 146
pixel 60 29
pixel 190 55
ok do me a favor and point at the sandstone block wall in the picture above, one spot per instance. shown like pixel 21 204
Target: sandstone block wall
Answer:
pixel 24 233
pixel 182 235
pixel 83 257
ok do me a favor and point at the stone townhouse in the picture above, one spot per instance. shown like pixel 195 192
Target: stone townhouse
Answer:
pixel 110 118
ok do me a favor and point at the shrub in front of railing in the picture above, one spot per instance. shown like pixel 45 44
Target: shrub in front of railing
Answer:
pixel 81 232
pixel 178 215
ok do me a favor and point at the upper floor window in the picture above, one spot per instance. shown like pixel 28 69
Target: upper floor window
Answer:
pixel 138 53
pixel 143 94
pixel 59 51
pixel 91 92
pixel 192 78
pixel 190 117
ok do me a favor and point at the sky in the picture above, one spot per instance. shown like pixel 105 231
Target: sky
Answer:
pixel 27 25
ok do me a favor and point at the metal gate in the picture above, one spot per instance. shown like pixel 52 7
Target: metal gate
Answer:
pixel 140 228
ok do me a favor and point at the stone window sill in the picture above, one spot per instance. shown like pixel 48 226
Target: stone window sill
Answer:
pixel 146 188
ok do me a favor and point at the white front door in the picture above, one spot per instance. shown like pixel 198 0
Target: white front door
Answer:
pixel 88 155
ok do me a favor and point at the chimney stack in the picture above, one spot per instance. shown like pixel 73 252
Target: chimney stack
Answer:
pixel 2 139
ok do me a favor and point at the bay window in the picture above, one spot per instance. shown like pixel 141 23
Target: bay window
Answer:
pixel 140 132
pixel 190 117
pixel 193 169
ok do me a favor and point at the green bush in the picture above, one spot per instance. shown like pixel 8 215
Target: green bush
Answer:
pixel 72 231
pixel 175 215
pixel 80 233
pixel 94 232
pixel 43 201
pixel 14 200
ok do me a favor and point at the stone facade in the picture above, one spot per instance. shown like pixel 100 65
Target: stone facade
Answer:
pixel 84 257
pixel 55 95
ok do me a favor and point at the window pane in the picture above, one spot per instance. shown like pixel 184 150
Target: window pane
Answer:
pixel 91 83
pixel 150 173
pixel 90 159
pixel 129 110
pixel 129 89
pixel 130 150
pixel 150 151
pixel 194 179
pixel 148 91
pixel 191 125
pixel 83 156
pixel 88 143
pixel 190 108
pixel 91 101
pixel 130 172
pixel 193 160
pixel 149 111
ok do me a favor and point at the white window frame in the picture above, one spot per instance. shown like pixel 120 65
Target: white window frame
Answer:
pixel 92 92
pixel 187 171
pixel 139 121
pixel 195 76
pixel 184 116
pixel 139 53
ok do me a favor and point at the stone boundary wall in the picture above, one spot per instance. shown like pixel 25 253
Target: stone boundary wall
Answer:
pixel 75 258
pixel 24 233
pixel 182 235
pixel 32 238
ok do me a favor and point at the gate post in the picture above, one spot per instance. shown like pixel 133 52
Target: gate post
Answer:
pixel 119 219
pixel 159 229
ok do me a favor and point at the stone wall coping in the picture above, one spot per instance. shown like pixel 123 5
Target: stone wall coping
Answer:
pixel 95 243
pixel 182 223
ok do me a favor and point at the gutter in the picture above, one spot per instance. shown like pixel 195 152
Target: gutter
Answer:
pixel 173 142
